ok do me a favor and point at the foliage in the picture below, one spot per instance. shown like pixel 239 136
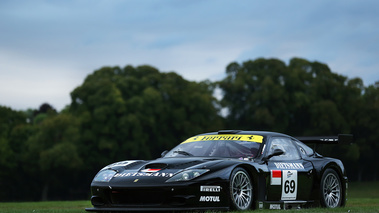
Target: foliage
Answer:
pixel 53 149
pixel 138 112
pixel 301 98
pixel 305 98
pixel 11 142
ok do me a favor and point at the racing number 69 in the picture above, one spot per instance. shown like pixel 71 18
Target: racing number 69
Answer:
pixel 289 186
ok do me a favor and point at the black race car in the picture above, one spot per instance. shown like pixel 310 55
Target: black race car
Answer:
pixel 228 169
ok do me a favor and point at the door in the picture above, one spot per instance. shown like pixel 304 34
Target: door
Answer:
pixel 290 177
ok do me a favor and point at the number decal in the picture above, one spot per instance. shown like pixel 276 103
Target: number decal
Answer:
pixel 289 185
pixel 293 186
pixel 286 187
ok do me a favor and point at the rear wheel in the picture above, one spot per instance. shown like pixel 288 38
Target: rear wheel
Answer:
pixel 241 189
pixel 331 190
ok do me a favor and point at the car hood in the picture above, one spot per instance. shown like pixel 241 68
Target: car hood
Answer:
pixel 156 171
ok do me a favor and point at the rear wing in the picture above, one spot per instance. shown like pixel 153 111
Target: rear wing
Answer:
pixel 340 139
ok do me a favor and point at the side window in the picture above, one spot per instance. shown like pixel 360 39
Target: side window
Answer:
pixel 304 149
pixel 285 144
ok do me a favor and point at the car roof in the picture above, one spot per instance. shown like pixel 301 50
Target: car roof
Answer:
pixel 243 132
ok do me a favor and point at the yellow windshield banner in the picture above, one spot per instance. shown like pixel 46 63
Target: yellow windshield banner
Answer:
pixel 250 138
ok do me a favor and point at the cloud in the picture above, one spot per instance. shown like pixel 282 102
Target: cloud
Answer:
pixel 56 44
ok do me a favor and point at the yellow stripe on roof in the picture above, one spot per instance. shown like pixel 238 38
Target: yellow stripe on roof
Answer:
pixel 251 138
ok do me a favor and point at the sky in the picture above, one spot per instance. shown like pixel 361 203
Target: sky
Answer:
pixel 48 47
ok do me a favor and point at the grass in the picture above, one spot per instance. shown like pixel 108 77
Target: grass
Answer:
pixel 49 206
pixel 362 197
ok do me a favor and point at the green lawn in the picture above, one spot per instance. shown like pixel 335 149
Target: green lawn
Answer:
pixel 362 197
pixel 49 206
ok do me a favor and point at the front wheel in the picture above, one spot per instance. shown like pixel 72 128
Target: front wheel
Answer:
pixel 241 189
pixel 331 190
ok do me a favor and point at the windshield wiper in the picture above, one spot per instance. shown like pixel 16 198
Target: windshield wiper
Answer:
pixel 183 153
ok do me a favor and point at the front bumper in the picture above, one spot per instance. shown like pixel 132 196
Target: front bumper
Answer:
pixel 191 196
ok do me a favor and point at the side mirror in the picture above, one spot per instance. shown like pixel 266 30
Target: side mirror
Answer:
pixel 276 152
pixel 164 153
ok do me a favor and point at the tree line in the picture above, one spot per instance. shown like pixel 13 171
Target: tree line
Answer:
pixel 138 112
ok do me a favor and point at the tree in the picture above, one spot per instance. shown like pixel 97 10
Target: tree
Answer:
pixel 44 111
pixel 366 133
pixel 139 112
pixel 11 122
pixel 52 153
pixel 303 98
pixel 254 95
pixel 9 119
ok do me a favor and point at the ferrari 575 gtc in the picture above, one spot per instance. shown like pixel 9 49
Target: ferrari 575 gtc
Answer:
pixel 228 169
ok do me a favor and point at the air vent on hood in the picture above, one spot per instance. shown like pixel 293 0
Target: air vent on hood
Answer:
pixel 156 166
pixel 185 164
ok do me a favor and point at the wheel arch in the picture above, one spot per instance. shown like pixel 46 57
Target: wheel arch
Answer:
pixel 322 167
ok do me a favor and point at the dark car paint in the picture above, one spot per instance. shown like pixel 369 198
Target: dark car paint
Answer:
pixel 219 174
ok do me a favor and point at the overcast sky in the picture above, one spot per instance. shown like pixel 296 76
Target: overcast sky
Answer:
pixel 48 47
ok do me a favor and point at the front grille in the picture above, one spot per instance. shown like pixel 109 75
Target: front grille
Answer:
pixel 137 197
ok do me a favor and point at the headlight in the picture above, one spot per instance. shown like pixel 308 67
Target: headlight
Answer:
pixel 187 175
pixel 104 175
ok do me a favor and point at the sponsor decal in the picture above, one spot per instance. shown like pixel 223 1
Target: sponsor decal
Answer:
pixel 122 163
pixel 274 206
pixel 276 177
pixel 245 159
pixel 289 185
pixel 150 170
pixel 329 139
pixel 209 199
pixel 260 205
pixel 144 174
pixel 289 174
pixel 210 188
pixel 289 165
pixel 250 138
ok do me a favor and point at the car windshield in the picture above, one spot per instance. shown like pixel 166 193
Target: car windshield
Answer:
pixel 218 148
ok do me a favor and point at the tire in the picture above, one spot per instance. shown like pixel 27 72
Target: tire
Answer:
pixel 330 189
pixel 241 189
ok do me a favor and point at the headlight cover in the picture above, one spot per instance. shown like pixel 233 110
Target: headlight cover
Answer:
pixel 187 175
pixel 104 175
